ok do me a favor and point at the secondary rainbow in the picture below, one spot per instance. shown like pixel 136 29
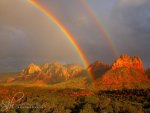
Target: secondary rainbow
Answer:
pixel 102 29
pixel 64 30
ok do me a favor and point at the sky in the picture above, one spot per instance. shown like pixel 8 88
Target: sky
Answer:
pixel 27 35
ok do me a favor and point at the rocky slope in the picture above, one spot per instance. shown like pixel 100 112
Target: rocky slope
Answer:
pixel 97 69
pixel 126 72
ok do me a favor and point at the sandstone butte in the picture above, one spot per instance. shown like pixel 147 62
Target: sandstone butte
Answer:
pixel 129 62
pixel 125 72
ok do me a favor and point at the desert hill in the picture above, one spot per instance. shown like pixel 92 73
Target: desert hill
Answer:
pixel 125 72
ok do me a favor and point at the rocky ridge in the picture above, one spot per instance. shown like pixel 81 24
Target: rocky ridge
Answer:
pixel 128 62
pixel 126 72
pixel 53 72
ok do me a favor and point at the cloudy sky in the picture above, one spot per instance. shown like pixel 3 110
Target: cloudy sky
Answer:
pixel 27 35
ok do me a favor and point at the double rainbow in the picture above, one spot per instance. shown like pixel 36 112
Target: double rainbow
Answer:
pixel 62 28
pixel 69 35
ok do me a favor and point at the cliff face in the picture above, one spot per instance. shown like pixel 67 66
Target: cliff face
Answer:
pixel 97 69
pixel 128 62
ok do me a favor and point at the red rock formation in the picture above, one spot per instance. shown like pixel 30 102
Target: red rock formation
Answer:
pixel 126 72
pixel 128 62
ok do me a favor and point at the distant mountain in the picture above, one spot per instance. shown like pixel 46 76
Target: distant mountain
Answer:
pixel 97 69
pixel 74 70
pixel 126 72
pixel 48 73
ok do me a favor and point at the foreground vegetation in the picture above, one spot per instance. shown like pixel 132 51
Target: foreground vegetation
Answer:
pixel 16 99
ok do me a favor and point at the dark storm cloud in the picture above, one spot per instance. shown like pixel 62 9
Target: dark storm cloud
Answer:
pixel 131 28
pixel 27 35
pixel 128 23
pixel 84 29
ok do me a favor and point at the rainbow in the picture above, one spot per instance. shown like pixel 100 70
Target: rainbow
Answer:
pixel 64 30
pixel 101 27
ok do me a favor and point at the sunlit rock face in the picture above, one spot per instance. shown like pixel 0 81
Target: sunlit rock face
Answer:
pixel 126 72
pixel 128 62
pixel 31 69
pixel 52 72
pixel 57 70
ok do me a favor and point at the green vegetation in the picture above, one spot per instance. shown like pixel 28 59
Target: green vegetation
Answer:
pixel 75 100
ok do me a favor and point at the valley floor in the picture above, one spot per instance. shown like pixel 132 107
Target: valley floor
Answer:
pixel 18 99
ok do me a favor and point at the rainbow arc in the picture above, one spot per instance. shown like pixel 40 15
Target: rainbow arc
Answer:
pixel 70 37
pixel 64 30
pixel 102 29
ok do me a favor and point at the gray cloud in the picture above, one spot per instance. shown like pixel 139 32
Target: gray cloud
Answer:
pixel 131 27
pixel 27 35
pixel 84 29
pixel 131 2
